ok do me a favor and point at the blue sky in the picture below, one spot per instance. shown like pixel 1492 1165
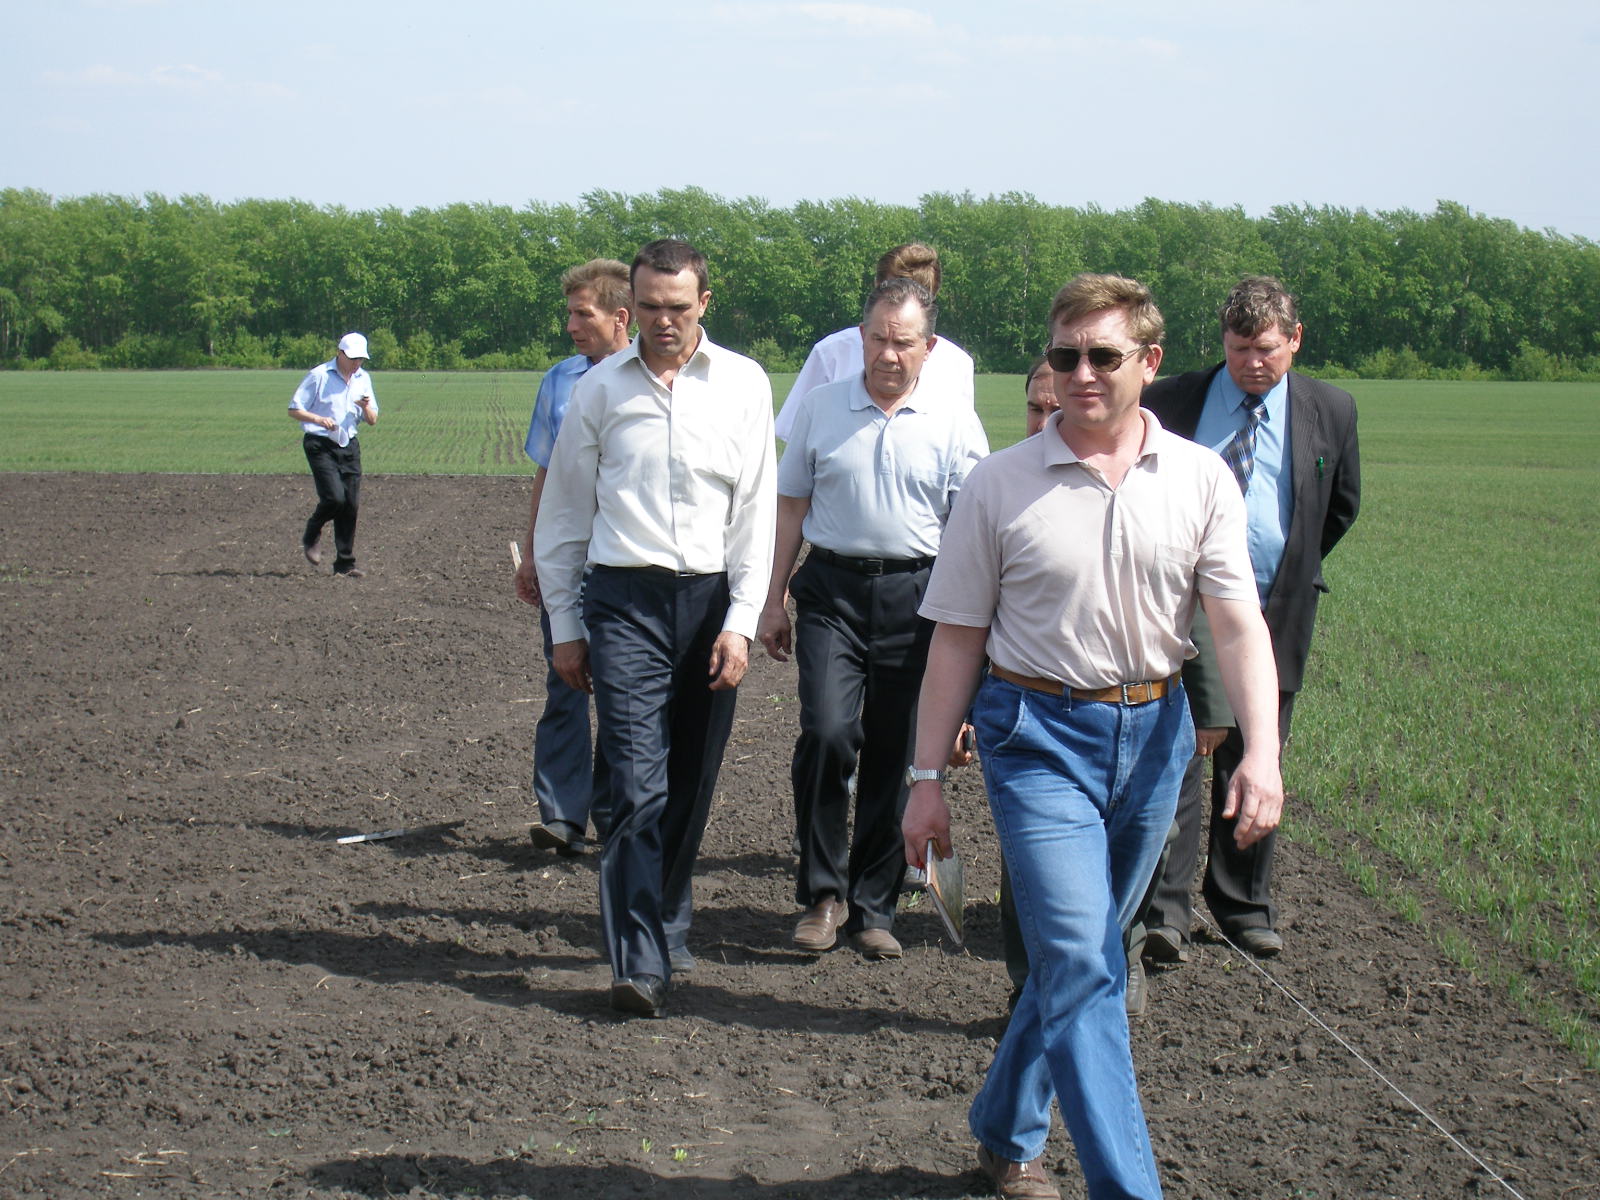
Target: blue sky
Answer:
pixel 368 104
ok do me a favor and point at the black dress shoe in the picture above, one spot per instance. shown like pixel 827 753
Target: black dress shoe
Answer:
pixel 1164 944
pixel 565 838
pixel 681 961
pixel 350 572
pixel 1259 940
pixel 312 553
pixel 640 996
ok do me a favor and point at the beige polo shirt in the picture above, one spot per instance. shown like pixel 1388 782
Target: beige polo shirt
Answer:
pixel 1082 583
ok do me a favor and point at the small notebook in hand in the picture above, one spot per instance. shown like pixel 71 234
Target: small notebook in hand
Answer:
pixel 947 886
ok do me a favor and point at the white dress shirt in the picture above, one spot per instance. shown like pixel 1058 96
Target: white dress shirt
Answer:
pixel 948 370
pixel 646 475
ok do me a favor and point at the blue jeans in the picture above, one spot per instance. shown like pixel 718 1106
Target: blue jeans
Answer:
pixel 1082 796
pixel 570 782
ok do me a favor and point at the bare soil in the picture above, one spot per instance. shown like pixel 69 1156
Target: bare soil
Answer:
pixel 204 994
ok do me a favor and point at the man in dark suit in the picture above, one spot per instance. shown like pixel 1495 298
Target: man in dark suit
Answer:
pixel 1291 441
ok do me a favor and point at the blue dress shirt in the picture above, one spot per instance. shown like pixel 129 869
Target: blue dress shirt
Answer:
pixel 1269 500
pixel 550 406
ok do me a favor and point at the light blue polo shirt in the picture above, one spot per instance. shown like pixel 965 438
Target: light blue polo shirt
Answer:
pixel 880 486
pixel 1269 500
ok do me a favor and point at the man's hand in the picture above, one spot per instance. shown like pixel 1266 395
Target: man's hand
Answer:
pixel 730 655
pixel 528 582
pixel 776 631
pixel 1207 740
pixel 965 749
pixel 571 661
pixel 927 816
pixel 1255 795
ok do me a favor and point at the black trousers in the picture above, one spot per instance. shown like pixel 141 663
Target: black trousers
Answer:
pixel 662 731
pixel 336 470
pixel 860 648
pixel 1238 883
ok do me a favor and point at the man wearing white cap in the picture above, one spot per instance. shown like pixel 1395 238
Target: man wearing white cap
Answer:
pixel 330 404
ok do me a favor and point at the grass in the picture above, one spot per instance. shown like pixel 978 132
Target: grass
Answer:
pixel 1450 722
pixel 1451 718
pixel 234 422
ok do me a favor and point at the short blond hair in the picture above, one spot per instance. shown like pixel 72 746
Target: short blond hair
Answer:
pixel 1088 294
pixel 606 278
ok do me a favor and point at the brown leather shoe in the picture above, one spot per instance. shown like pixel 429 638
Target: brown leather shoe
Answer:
pixel 876 943
pixel 1137 992
pixel 818 930
pixel 1016 1180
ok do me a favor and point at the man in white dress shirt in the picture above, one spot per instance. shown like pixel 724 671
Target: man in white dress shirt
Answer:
pixel 662 479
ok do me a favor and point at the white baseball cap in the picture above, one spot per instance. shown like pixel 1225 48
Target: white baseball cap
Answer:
pixel 354 345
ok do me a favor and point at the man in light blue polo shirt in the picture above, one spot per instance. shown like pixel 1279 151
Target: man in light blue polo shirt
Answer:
pixel 872 466
pixel 569 782
pixel 331 403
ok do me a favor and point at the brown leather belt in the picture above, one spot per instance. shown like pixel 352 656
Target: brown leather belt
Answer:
pixel 1123 693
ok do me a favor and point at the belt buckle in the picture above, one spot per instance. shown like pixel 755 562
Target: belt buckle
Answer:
pixel 1143 683
pixel 871 566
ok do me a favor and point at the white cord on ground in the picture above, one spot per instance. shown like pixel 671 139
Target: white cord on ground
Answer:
pixel 1362 1059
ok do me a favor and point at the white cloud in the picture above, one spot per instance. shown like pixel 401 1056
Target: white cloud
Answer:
pixel 863 20
pixel 871 20
pixel 187 76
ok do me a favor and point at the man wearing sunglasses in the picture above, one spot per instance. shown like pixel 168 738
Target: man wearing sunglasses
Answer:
pixel 1302 489
pixel 1074 562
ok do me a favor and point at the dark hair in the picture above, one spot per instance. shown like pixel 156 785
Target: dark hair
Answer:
pixel 1257 303
pixel 912 261
pixel 671 256
pixel 1088 294
pixel 1038 364
pixel 606 278
pixel 899 292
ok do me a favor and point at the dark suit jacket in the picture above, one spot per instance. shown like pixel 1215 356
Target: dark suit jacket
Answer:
pixel 1325 467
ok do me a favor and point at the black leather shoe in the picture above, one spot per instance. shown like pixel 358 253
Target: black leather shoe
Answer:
pixel 350 572
pixel 640 996
pixel 312 552
pixel 1259 940
pixel 565 838
pixel 681 961
pixel 1136 987
pixel 1164 944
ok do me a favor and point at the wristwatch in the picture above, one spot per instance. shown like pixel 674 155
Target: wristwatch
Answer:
pixel 913 776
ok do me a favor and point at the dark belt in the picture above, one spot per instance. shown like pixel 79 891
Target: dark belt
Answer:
pixel 1122 693
pixel 663 572
pixel 870 566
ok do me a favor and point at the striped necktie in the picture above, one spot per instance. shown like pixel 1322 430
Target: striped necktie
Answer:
pixel 1240 452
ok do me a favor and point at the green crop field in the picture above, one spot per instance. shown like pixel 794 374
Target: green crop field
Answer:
pixel 431 423
pixel 1447 745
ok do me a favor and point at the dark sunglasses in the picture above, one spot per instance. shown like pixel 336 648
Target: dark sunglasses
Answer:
pixel 1104 359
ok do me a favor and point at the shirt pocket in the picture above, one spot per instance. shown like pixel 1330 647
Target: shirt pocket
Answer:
pixel 1170 574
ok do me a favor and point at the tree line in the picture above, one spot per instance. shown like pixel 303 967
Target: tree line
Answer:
pixel 119 281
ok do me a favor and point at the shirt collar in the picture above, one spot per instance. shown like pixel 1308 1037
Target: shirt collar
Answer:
pixel 860 398
pixel 1056 451
pixel 1232 396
